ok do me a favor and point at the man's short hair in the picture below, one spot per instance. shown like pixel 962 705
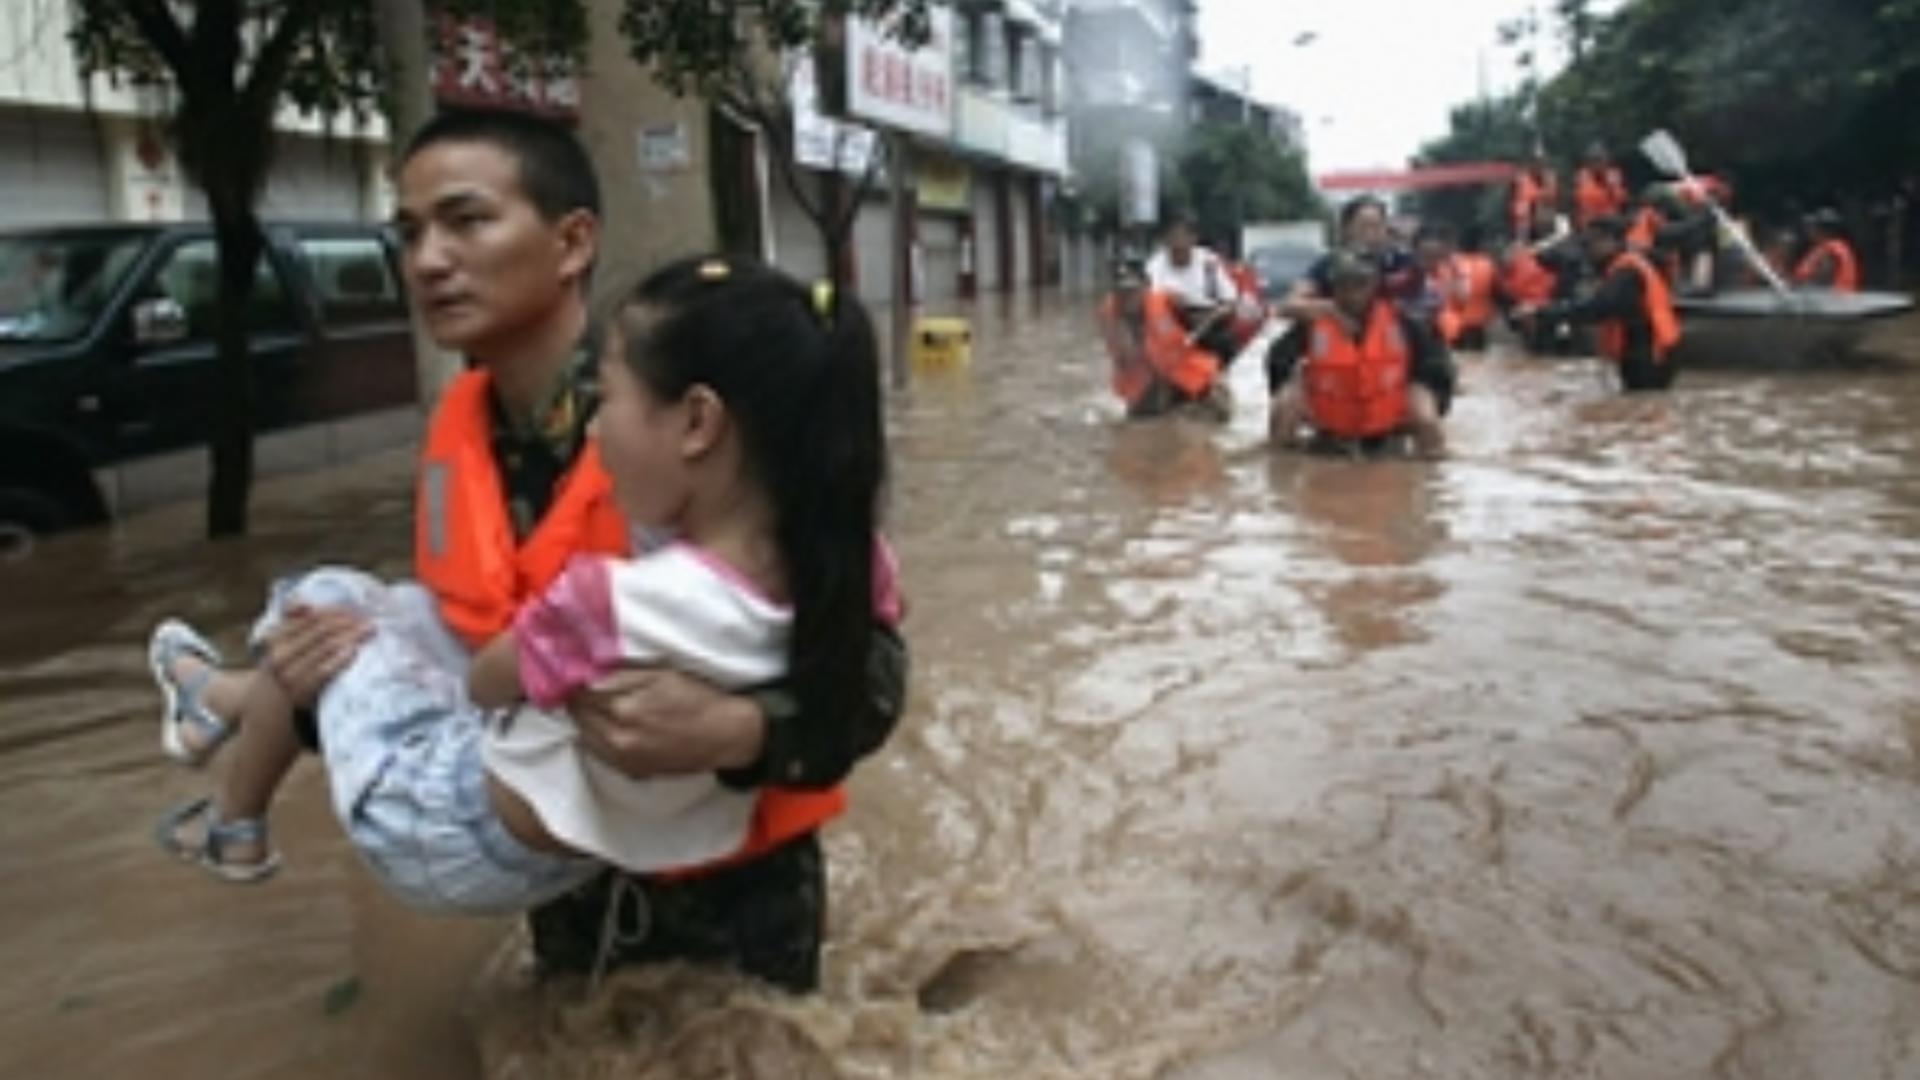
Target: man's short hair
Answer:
pixel 1345 266
pixel 555 172
pixel 1610 225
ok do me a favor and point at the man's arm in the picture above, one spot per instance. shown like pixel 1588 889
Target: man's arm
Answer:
pixel 658 722
pixel 792 753
pixel 1618 297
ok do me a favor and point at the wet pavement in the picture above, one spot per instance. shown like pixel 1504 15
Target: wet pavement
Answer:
pixel 1589 752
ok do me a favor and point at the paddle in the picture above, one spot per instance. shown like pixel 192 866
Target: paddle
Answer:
pixel 1670 157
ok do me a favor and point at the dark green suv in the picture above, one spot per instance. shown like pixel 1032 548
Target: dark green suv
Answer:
pixel 107 350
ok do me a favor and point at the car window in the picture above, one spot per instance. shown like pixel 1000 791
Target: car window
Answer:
pixel 53 286
pixel 353 280
pixel 190 277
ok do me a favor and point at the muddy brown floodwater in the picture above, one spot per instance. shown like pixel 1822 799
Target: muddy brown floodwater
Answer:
pixel 1590 752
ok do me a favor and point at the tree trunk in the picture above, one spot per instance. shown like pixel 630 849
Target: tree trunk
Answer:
pixel 236 231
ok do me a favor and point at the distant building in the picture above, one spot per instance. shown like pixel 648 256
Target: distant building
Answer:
pixel 1213 101
pixel 63 164
pixel 1128 72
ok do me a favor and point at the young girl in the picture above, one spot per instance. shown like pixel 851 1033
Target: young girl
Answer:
pixel 740 413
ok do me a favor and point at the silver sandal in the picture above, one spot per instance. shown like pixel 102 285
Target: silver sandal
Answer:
pixel 210 853
pixel 182 706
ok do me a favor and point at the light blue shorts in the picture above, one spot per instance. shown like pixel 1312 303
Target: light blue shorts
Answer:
pixel 402 746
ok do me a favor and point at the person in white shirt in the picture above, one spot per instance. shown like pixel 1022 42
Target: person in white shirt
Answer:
pixel 1203 291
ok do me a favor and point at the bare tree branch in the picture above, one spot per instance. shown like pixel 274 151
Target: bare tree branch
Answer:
pixel 261 94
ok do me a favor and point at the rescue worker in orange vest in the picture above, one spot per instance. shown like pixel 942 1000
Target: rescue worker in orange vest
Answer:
pixel 1438 298
pixel 1475 277
pixel 1830 263
pixel 1156 367
pixel 1534 271
pixel 1370 372
pixel 1597 188
pixel 1535 187
pixel 1363 232
pixel 1632 309
pixel 497 214
pixel 1196 280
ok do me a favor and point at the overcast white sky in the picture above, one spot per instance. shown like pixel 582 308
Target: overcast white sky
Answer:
pixel 1379 76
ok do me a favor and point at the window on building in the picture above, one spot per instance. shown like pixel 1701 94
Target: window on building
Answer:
pixel 353 280
pixel 1020 62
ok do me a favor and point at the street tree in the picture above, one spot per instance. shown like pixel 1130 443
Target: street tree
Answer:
pixel 226 69
pixel 743 57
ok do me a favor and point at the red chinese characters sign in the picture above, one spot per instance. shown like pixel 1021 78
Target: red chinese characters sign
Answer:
pixel 473 67
pixel 890 84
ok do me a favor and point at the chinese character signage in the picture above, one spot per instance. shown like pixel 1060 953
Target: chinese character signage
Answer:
pixel 473 67
pixel 821 142
pixel 909 89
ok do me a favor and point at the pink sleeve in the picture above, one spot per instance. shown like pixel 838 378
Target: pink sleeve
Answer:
pixel 566 638
pixel 888 601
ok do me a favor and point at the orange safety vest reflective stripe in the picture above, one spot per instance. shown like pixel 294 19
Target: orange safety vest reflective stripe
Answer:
pixel 1656 302
pixel 1846 266
pixel 1357 391
pixel 1597 194
pixel 1475 289
pixel 1527 280
pixel 465 553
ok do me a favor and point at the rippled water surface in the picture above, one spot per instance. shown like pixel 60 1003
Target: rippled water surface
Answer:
pixel 1589 752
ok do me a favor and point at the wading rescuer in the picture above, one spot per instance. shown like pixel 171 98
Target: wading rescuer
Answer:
pixel 1363 233
pixel 1201 288
pixel 1369 372
pixel 1475 278
pixel 1830 263
pixel 1156 365
pixel 1534 188
pixel 1635 324
pixel 1598 189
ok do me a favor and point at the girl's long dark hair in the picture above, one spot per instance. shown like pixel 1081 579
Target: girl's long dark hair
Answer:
pixel 799 372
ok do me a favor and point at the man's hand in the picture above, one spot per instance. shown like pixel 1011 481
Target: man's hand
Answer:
pixel 310 647
pixel 658 722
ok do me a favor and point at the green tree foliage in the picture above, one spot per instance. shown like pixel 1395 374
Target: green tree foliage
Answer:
pixel 226 68
pixel 1494 130
pixel 739 56
pixel 1228 174
pixel 1808 100
pixel 227 71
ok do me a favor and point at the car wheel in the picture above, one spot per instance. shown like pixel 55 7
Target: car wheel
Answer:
pixel 26 514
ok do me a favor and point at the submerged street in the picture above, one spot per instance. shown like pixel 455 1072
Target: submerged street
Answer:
pixel 1590 751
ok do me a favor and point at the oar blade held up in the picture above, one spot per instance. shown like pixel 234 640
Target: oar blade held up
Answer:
pixel 1665 152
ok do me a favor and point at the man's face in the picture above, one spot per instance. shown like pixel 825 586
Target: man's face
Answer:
pixel 1354 295
pixel 481 262
pixel 1180 244
pixel 1367 230
pixel 1431 253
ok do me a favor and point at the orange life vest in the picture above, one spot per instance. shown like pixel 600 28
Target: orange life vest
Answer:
pixel 1528 192
pixel 1597 194
pixel 1444 283
pixel 1526 280
pixel 466 555
pixel 1846 266
pixel 1162 351
pixel 1656 301
pixel 1474 288
pixel 1358 390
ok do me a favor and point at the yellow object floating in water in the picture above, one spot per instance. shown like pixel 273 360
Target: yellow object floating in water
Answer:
pixel 941 345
